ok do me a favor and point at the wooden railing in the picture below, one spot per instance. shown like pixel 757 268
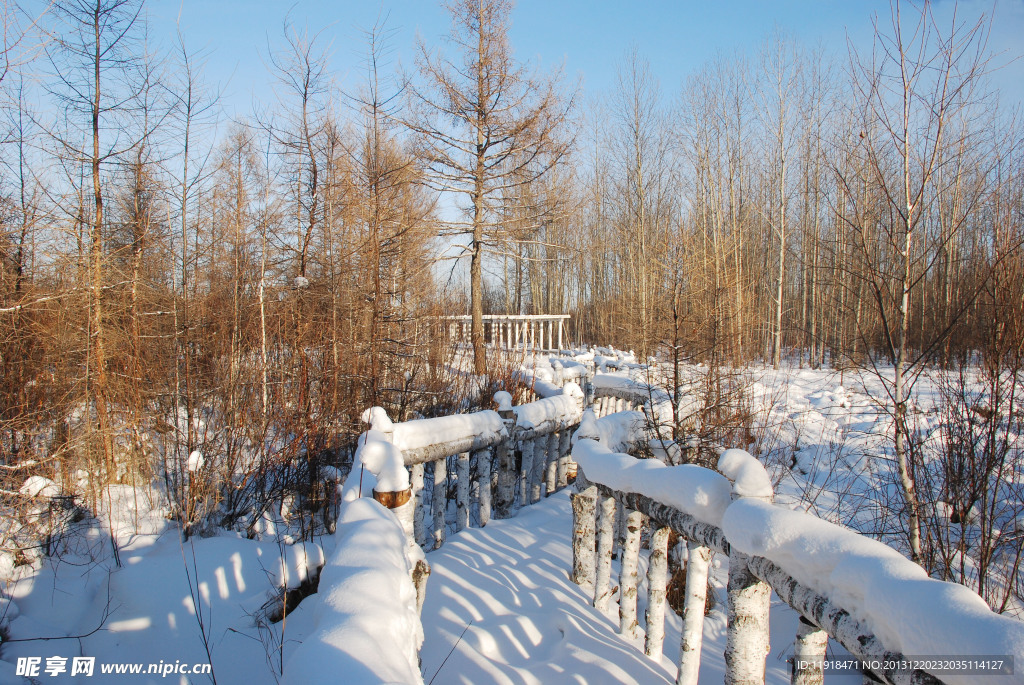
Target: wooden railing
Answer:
pixel 514 331
pixel 498 461
pixel 693 502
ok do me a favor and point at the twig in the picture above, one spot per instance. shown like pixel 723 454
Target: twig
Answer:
pixel 451 652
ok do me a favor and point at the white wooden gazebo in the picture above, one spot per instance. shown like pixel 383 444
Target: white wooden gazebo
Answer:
pixel 514 331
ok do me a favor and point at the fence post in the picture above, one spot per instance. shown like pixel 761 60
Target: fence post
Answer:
pixel 747 643
pixel 462 491
pixel 605 540
pixel 809 654
pixel 526 448
pixel 628 581
pixel 416 479
pixel 551 481
pixel 404 504
pixel 564 448
pixel 483 469
pixel 506 494
pixel 584 514
pixel 691 639
pixel 657 582
pixel 588 384
pixel 540 460
pixel 440 499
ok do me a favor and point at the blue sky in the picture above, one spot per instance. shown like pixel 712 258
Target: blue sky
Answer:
pixel 589 38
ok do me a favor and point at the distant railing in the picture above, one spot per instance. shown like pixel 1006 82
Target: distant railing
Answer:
pixel 514 331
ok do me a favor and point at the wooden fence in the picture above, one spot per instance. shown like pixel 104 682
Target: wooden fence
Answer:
pixel 495 462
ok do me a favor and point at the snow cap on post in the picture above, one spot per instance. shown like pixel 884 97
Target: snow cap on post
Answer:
pixel 503 400
pixel 378 420
pixel 573 390
pixel 378 467
pixel 748 476
pixel 588 427
pixel 385 462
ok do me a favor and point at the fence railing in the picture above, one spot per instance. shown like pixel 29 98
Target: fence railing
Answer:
pixel 486 462
pixel 494 462
pixel 770 548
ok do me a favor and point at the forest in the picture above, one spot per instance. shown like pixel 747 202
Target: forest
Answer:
pixel 209 305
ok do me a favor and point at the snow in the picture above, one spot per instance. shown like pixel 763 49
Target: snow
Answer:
pixel 551 413
pixel 748 474
pixel 505 586
pixel 378 419
pixel 616 431
pixel 503 400
pixel 570 369
pixel 665 450
pixel 500 603
pixel 894 597
pixel 616 381
pixel 39 486
pixel 700 492
pixel 381 465
pixel 158 604
pixel 544 388
pixel 366 625
pixel 195 461
pixel 540 379
pixel 623 384
pixel 424 432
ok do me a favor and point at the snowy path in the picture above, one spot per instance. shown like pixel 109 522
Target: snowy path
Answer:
pixel 529 624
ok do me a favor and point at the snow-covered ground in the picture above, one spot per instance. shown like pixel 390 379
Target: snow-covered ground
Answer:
pixel 169 604
pixel 500 595
pixel 501 609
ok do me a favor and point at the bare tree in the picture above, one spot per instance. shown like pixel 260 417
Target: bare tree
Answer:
pixel 506 122
pixel 918 89
pixel 99 78
pixel 643 159
pixel 778 96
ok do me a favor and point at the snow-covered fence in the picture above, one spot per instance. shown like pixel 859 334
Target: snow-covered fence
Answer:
pixel 499 460
pixel 512 456
pixel 875 603
pixel 614 393
pixel 368 629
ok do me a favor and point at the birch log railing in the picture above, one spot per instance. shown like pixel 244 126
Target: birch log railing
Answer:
pixel 731 513
pixel 511 457
pixel 499 461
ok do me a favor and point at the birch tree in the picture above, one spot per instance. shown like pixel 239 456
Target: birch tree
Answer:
pixel 917 89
